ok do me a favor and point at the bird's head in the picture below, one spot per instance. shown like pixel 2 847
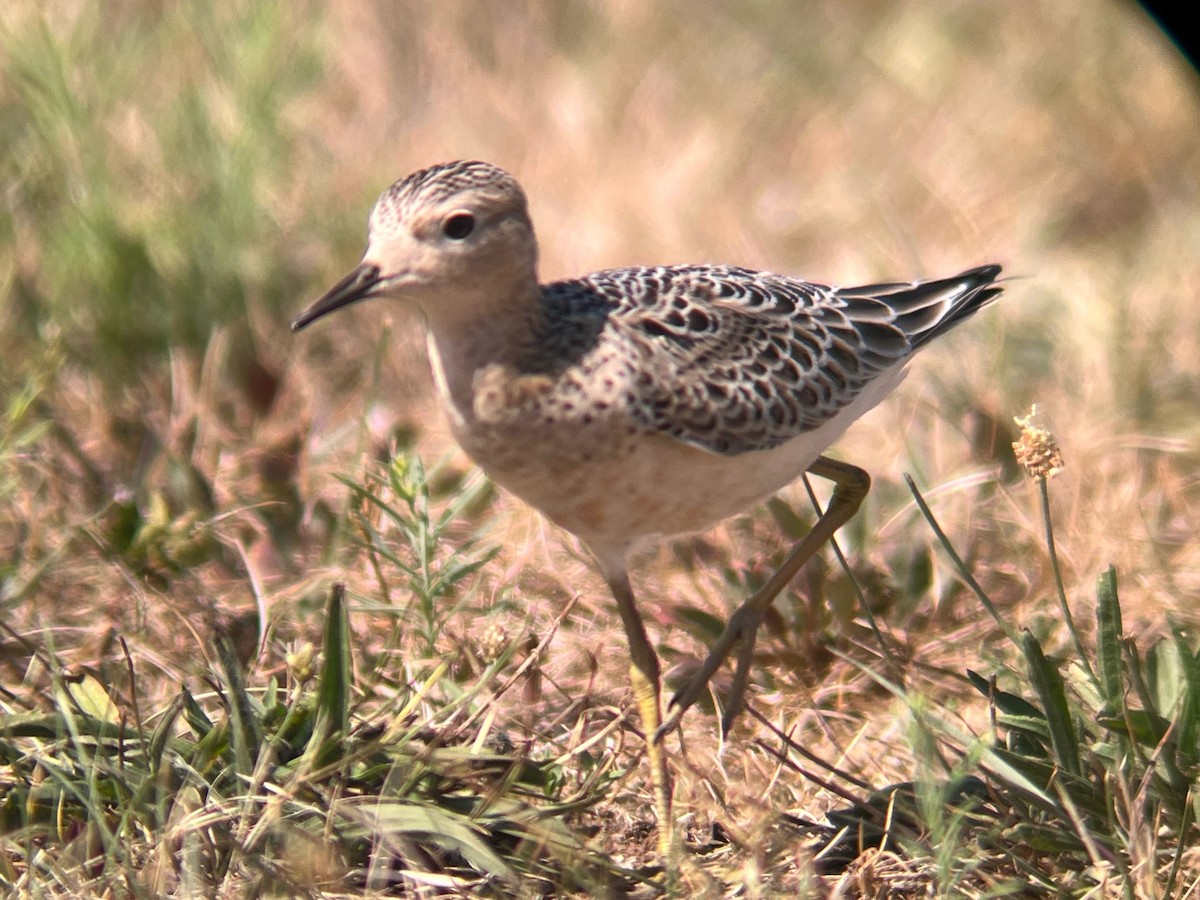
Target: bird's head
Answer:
pixel 445 239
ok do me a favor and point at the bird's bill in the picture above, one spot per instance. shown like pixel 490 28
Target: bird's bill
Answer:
pixel 358 285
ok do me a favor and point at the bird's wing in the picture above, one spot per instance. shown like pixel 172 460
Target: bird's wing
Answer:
pixel 734 360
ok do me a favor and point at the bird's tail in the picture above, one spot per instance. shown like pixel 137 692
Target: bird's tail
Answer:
pixel 925 310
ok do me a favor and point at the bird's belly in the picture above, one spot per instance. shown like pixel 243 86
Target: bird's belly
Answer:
pixel 611 492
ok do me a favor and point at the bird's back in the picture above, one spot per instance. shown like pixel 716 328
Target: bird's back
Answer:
pixel 733 360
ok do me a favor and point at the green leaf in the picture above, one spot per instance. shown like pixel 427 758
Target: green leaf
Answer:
pixel 333 694
pixel 162 733
pixel 246 732
pixel 698 622
pixel 789 521
pixel 1005 702
pixel 1024 776
pixel 1166 677
pixel 1044 839
pixel 385 819
pixel 1035 726
pixel 1146 728
pixel 194 714
pixel 90 697
pixel 1108 639
pixel 1187 718
pixel 1049 686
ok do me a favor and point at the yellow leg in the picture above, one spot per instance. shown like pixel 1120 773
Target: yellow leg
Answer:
pixel 647 691
pixel 850 487
pixel 647 696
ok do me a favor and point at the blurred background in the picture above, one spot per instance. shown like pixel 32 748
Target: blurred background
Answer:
pixel 180 179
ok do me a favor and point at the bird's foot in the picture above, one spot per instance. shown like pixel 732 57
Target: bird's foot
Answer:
pixel 741 630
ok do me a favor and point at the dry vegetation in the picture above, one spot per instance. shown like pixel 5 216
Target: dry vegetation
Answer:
pixel 182 481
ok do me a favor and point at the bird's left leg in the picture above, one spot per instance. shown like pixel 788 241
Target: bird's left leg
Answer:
pixel 850 487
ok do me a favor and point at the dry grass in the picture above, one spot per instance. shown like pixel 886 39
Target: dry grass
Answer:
pixel 180 494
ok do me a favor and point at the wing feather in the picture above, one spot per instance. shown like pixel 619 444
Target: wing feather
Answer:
pixel 735 360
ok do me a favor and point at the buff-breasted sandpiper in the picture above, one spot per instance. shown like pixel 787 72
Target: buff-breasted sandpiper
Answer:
pixel 642 402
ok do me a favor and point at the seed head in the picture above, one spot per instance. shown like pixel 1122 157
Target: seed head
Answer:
pixel 300 662
pixel 1037 451
pixel 493 643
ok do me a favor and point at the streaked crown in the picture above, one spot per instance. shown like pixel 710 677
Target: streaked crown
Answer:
pixel 432 187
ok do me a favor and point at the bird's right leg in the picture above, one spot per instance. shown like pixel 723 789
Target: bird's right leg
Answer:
pixel 647 691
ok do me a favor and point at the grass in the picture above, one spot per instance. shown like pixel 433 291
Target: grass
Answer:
pixel 969 707
pixel 270 788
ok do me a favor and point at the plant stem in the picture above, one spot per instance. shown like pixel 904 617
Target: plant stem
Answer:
pixel 1044 490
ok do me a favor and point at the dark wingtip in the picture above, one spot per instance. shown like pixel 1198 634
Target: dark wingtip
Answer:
pixel 991 270
pixel 981 291
pixel 973 289
pixel 983 274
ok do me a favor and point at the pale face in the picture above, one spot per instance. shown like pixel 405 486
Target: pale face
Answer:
pixel 443 239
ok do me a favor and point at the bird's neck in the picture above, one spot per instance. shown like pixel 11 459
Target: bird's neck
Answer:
pixel 461 345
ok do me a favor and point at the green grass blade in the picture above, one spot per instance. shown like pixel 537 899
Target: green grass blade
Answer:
pixel 333 694
pixel 1048 683
pixel 247 730
pixel 1006 702
pixel 388 819
pixel 1108 640
pixel 957 560
pixel 1187 717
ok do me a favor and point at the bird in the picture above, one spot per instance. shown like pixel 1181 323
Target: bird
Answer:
pixel 638 403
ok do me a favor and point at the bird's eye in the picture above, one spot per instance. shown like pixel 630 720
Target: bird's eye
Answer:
pixel 458 225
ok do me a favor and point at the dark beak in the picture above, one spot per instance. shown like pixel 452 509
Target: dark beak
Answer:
pixel 358 285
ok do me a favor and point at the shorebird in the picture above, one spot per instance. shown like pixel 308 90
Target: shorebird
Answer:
pixel 641 402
